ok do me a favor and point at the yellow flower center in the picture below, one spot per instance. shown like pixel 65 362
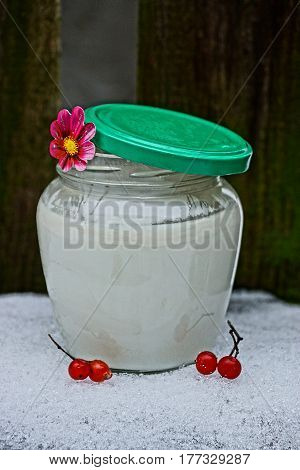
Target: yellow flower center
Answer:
pixel 70 146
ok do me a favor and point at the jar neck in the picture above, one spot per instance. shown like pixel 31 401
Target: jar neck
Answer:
pixel 109 173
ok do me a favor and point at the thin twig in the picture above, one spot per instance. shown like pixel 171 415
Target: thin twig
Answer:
pixel 236 339
pixel 59 347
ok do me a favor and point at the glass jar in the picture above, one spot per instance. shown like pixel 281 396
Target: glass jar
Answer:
pixel 139 262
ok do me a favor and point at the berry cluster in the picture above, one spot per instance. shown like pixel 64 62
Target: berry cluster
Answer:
pixel 80 369
pixel 229 366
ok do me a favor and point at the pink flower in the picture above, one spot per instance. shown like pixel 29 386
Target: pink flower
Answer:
pixel 71 145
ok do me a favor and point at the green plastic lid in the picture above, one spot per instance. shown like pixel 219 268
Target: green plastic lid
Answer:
pixel 168 139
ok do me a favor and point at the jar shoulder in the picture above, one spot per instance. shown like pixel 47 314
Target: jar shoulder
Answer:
pixel 193 202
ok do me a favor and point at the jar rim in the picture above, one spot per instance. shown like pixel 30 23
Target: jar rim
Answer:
pixel 111 170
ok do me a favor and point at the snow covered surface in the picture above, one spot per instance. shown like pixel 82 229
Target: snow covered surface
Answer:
pixel 41 408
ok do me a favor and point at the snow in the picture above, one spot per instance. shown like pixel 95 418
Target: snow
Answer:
pixel 42 408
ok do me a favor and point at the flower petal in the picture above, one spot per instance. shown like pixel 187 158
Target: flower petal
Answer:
pixel 87 151
pixel 55 130
pixel 77 121
pixel 66 163
pixel 80 165
pixel 87 133
pixel 63 119
pixel 55 149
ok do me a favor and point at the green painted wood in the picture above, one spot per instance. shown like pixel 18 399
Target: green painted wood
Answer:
pixel 204 57
pixel 29 100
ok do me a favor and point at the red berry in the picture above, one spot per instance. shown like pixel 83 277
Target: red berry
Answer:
pixel 229 367
pixel 79 369
pixel 99 371
pixel 206 363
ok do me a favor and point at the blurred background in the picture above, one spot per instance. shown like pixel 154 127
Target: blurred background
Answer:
pixel 236 62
